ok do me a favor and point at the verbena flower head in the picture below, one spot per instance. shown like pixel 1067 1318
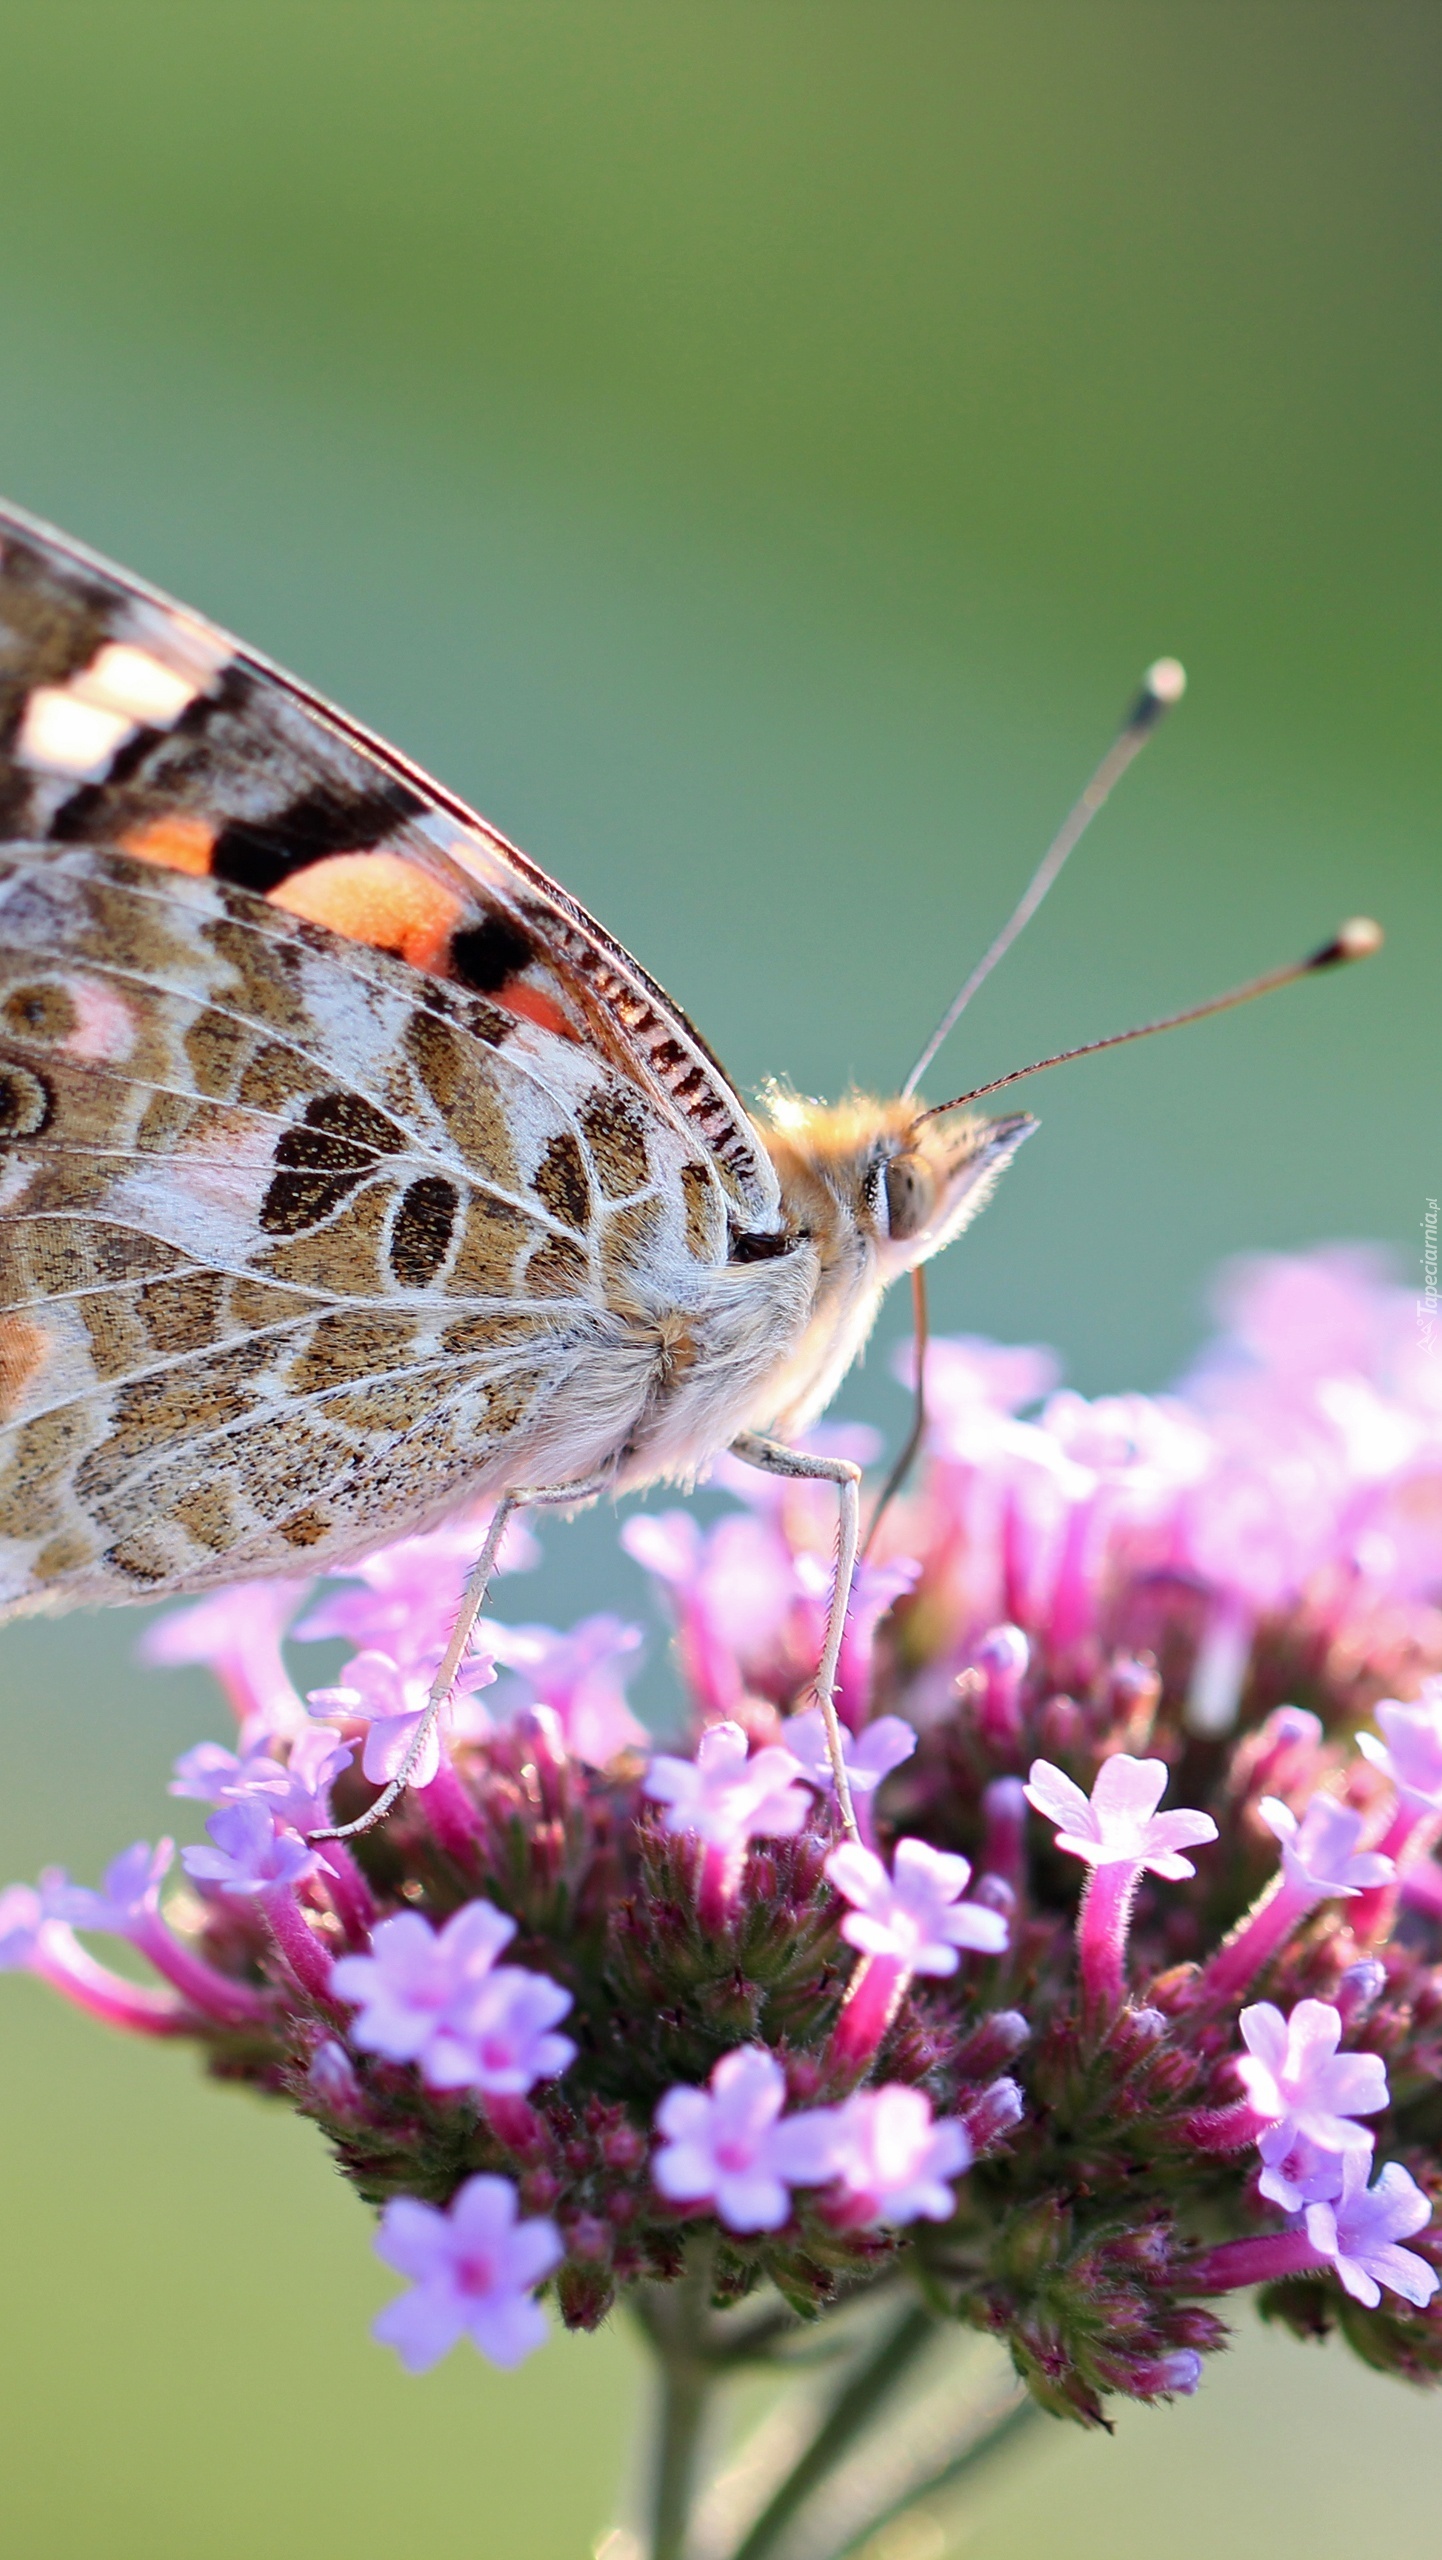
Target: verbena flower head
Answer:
pixel 1319 1852
pixel 1361 2227
pixel 869 1756
pixel 1296 2078
pixel 251 1852
pixel 1119 1824
pixel 730 2146
pixel 1409 1753
pixel 915 1915
pixel 728 1794
pixel 891 2163
pixel 473 2269
pixel 1132 1977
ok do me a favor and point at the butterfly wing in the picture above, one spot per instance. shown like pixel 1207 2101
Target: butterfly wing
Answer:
pixel 333 1138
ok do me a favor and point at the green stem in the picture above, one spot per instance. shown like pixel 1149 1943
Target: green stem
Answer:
pixel 855 2403
pixel 676 2321
pixel 1011 2422
pixel 685 2394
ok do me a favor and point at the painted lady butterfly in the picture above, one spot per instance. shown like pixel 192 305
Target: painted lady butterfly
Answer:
pixel 349 1171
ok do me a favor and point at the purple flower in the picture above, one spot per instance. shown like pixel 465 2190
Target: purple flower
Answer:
pixel 296 1789
pixel 915 1916
pixel 999 2108
pixel 32 1940
pixel 1411 1754
pixel 870 1755
pixel 473 2269
pixel 1304 2173
pixel 1320 1858
pixel 892 2163
pixel 1359 2229
pixel 1319 1853
pixel 253 1852
pixel 402 1600
pixel 209 1774
pixel 994 1677
pixel 580 1677
pixel 728 2146
pixel 238 1635
pixel 499 2040
pixel 392 1698
pixel 129 1896
pixel 732 1589
pixel 1296 2079
pixel 128 1906
pixel 1120 1825
pixel 726 1797
pixel 21 1920
pixel 415 1982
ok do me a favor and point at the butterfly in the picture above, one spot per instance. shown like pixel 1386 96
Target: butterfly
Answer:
pixel 350 1172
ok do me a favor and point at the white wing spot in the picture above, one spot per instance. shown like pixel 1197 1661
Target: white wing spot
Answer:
pixel 62 734
pixel 75 729
pixel 132 682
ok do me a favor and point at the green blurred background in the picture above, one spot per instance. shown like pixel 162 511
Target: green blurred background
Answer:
pixel 752 450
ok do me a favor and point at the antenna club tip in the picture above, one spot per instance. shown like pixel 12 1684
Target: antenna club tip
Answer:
pixel 1357 939
pixel 1166 681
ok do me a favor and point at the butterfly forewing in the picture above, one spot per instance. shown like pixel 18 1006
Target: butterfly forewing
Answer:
pixel 344 1161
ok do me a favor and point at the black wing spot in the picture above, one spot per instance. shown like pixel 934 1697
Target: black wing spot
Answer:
pixel 561 1182
pixel 421 1236
pixel 297 1200
pixel 258 853
pixel 484 956
pixel 88 815
pixel 350 1116
pixel 25 1103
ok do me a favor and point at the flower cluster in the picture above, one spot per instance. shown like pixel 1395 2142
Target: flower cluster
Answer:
pixel 1125 1993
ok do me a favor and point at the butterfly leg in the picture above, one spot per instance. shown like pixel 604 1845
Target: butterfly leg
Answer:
pixel 775 1459
pixel 473 1600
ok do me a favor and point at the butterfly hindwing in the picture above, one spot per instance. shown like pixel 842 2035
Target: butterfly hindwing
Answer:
pixel 298 1242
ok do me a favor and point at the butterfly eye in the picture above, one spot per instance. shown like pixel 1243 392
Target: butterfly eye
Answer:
pixel 910 1196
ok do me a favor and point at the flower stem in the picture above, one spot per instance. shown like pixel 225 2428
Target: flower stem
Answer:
pixel 685 2394
pixel 858 2400
pixel 1266 1928
pixel 676 2322
pixel 1013 2419
pixel 1106 1912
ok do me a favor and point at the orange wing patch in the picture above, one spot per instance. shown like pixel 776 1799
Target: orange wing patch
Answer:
pixel 176 842
pixel 377 898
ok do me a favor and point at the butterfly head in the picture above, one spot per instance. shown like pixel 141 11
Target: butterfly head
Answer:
pixel 902 1183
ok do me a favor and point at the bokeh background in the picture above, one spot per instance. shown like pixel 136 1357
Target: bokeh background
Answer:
pixel 752 450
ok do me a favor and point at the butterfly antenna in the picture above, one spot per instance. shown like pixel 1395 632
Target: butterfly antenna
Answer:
pixel 1355 940
pixel 912 1442
pixel 1162 685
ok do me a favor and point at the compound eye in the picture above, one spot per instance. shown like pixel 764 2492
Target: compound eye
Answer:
pixel 910 1196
